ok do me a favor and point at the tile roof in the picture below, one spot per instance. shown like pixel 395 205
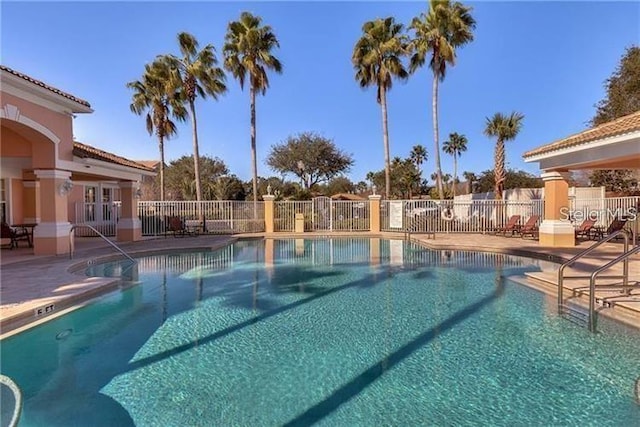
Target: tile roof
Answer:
pixel 44 85
pixel 149 163
pixel 619 126
pixel 86 151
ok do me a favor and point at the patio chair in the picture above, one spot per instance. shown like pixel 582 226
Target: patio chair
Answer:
pixel 530 228
pixel 14 235
pixel 586 228
pixel 177 227
pixel 511 226
pixel 616 225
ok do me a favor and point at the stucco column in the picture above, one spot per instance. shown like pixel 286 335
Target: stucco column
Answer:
pixel 556 229
pixel 374 213
pixel 129 227
pixel 51 236
pixel 269 213
pixel 31 201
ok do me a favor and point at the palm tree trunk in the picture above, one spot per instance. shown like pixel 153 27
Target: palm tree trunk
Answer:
pixel 436 138
pixel 161 146
pixel 196 159
pixel 254 163
pixel 455 174
pixel 499 169
pixel 385 137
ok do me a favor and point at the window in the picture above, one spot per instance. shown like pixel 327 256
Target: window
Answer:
pixel 90 203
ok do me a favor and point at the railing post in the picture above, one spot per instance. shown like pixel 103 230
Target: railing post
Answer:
pixel 269 212
pixel 374 213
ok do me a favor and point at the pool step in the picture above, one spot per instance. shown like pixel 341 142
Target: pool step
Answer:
pixel 575 314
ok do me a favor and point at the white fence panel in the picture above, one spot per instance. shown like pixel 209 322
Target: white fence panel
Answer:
pixel 225 217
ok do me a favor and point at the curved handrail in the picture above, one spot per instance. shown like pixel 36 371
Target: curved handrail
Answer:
pixel 17 395
pixel 586 252
pixel 72 246
pixel 592 284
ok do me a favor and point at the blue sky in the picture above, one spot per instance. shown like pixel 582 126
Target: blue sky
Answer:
pixel 547 60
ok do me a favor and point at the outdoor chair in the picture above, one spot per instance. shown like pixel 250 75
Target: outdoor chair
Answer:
pixel 510 227
pixel 14 235
pixel 616 225
pixel 530 228
pixel 177 227
pixel 586 229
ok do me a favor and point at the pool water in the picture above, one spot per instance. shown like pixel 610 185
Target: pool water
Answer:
pixel 335 332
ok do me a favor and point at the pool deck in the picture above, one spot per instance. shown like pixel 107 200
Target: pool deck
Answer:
pixel 30 284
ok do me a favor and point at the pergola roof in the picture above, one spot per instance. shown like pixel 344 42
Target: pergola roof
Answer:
pixel 626 124
pixel 611 145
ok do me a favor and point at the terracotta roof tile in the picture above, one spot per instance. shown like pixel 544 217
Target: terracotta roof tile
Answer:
pixel 151 164
pixel 86 151
pixel 44 85
pixel 620 126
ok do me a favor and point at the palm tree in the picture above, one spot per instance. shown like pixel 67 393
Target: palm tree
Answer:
pixel 247 52
pixel 195 74
pixel 377 58
pixel 161 101
pixel 446 27
pixel 504 128
pixel 455 146
pixel 418 155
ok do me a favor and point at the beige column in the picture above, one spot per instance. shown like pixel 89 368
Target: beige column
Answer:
pixel 556 230
pixel 51 236
pixel 31 202
pixel 129 227
pixel 269 212
pixel 374 213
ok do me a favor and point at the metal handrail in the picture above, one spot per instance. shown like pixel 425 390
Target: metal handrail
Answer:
pixel 587 251
pixel 17 396
pixel 72 245
pixel 592 284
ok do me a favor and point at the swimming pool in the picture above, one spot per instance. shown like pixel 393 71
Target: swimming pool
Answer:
pixel 335 331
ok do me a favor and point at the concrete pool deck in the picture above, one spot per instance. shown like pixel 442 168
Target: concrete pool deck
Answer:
pixel 30 284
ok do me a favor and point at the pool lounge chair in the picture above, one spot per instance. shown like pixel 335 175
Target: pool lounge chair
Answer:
pixel 510 227
pixel 585 230
pixel 530 228
pixel 616 225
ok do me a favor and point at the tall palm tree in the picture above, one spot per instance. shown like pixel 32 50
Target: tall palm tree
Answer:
pixel 377 59
pixel 248 52
pixel 196 74
pixel 455 146
pixel 504 128
pixel 418 155
pixel 153 94
pixel 444 28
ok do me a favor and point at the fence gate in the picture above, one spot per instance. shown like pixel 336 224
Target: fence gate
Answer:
pixel 321 214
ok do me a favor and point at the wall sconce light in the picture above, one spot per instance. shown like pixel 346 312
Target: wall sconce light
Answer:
pixel 65 187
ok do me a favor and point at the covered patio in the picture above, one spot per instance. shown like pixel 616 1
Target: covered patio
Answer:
pixel 47 177
pixel 611 145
